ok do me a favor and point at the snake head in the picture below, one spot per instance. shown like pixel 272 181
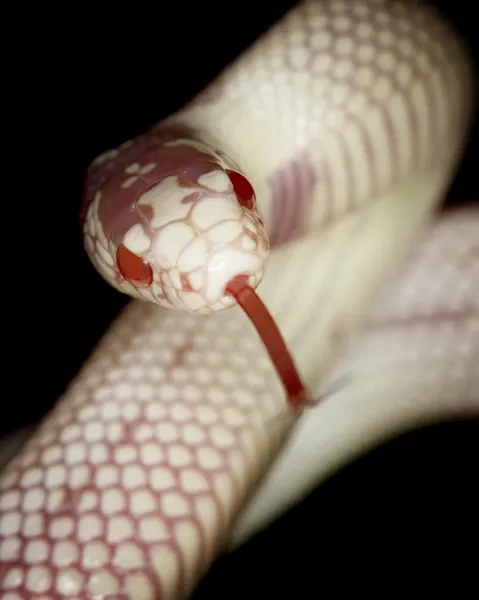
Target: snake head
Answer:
pixel 180 237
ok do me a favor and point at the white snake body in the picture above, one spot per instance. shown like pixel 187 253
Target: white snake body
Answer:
pixel 348 118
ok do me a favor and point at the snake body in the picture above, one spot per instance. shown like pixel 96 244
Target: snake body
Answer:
pixel 348 119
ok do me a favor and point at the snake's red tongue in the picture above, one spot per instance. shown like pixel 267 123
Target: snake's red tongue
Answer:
pixel 298 395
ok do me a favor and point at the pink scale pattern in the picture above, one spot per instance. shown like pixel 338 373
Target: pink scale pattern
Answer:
pixel 130 484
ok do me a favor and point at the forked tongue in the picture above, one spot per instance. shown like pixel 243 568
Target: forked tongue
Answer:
pixel 298 394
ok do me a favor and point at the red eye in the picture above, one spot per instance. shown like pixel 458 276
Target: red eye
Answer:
pixel 134 269
pixel 243 189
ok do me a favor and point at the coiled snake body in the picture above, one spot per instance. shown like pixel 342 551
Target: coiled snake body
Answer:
pixel 334 137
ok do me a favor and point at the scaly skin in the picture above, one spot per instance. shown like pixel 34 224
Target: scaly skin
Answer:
pixel 348 118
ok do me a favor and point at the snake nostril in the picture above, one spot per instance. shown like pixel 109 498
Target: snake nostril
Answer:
pixel 134 269
pixel 243 189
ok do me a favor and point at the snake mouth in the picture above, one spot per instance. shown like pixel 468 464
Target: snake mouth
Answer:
pixel 228 265
pixel 237 284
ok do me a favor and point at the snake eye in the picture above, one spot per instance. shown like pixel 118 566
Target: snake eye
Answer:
pixel 243 189
pixel 134 269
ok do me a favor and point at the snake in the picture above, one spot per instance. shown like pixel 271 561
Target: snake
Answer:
pixel 279 234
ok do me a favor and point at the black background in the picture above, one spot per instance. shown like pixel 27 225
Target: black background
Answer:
pixel 79 80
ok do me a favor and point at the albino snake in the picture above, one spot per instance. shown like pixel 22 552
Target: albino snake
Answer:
pixel 348 118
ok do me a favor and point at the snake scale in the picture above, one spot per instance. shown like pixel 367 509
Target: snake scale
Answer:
pixel 312 167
